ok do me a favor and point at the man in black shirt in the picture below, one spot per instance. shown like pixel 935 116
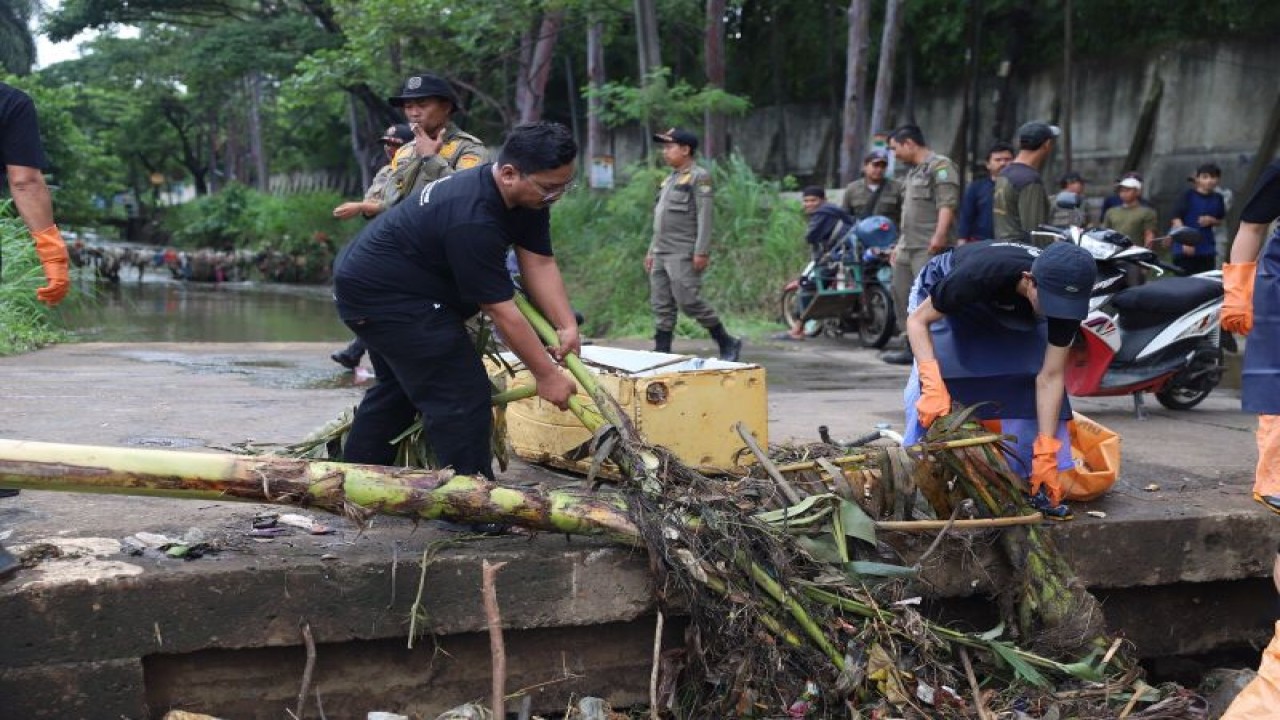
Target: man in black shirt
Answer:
pixel 978 319
pixel 1021 202
pixel 409 281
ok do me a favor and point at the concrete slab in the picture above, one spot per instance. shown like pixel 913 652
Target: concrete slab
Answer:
pixel 136 624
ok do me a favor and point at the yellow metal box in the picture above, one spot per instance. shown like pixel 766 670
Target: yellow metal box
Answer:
pixel 688 405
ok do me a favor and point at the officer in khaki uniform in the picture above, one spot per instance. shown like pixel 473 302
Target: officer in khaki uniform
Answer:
pixel 929 204
pixel 439 148
pixel 681 246
pixel 873 193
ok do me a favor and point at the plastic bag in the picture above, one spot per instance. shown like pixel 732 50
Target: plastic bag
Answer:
pixel 1096 451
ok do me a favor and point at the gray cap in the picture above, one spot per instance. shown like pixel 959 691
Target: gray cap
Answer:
pixel 1064 274
pixel 1035 133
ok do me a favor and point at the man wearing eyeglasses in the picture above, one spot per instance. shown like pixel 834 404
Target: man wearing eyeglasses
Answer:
pixel 681 247
pixel 409 281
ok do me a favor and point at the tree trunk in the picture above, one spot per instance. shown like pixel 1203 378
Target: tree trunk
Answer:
pixel 650 56
pixel 358 148
pixel 884 73
pixel 715 130
pixel 536 69
pixel 595 80
pixel 854 88
pixel 256 151
pixel 1067 75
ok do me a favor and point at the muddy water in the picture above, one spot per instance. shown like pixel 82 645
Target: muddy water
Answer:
pixel 162 310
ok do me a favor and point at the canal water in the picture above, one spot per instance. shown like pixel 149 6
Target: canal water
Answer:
pixel 159 309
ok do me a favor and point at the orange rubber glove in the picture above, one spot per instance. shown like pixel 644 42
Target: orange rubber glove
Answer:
pixel 1044 467
pixel 934 400
pixel 1237 308
pixel 52 252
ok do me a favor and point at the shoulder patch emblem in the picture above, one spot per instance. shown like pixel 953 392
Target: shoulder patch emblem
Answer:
pixel 942 174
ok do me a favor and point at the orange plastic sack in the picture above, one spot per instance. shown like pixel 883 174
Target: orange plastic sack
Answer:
pixel 1260 699
pixel 1096 451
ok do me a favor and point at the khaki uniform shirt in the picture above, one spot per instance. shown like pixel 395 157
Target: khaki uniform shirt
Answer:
pixel 858 196
pixel 930 186
pixel 410 173
pixel 378 187
pixel 683 213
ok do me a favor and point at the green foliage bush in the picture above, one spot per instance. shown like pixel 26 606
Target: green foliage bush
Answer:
pixel 25 323
pixel 601 240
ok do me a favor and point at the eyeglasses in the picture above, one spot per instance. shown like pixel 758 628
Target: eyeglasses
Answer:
pixel 550 192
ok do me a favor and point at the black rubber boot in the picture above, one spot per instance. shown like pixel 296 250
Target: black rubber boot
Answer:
pixel 8 563
pixel 662 341
pixel 899 357
pixel 730 346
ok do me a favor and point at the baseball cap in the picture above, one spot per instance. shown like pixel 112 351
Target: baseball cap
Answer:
pixel 399 135
pixel 1130 182
pixel 425 85
pixel 1064 274
pixel 1036 133
pixel 679 137
pixel 876 154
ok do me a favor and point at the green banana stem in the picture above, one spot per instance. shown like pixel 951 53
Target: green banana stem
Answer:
pixel 775 591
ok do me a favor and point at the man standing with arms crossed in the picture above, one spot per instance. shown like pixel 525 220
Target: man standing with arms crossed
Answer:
pixel 1021 202
pixel 681 246
pixel 928 211
pixel 23 157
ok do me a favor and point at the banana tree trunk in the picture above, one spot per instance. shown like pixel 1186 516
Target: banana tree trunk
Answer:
pixel 339 488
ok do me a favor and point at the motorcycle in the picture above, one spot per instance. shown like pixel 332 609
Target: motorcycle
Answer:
pixel 1160 337
pixel 846 290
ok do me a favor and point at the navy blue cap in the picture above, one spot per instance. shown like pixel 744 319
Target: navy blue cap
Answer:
pixel 679 137
pixel 876 154
pixel 1064 274
pixel 426 85
pixel 1035 133
pixel 399 134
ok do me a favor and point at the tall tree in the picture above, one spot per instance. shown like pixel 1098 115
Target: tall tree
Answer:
pixel 535 66
pixel 884 71
pixel 854 89
pixel 17 46
pixel 715 130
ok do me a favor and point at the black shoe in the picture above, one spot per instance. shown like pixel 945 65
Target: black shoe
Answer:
pixel 662 340
pixel 345 360
pixel 731 349
pixel 8 492
pixel 898 357
pixel 1270 502
pixel 8 563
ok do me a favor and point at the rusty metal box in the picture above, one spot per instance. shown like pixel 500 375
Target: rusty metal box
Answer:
pixel 688 405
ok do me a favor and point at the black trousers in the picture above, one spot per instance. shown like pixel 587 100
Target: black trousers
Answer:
pixel 1192 264
pixel 426 363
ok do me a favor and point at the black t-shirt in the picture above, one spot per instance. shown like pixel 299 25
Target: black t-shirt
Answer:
pixel 446 246
pixel 1264 205
pixel 984 275
pixel 19 130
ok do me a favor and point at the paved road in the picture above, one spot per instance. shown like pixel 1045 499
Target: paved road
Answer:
pixel 186 395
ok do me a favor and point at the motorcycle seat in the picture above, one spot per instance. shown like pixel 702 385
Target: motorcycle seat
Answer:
pixel 1157 302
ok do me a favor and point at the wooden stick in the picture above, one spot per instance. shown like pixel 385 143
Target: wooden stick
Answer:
pixel 787 489
pixel 310 667
pixel 973 684
pixel 931 525
pixel 654 712
pixel 1139 688
pixel 489 574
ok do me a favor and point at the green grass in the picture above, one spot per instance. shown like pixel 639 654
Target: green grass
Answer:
pixel 25 323
pixel 601 239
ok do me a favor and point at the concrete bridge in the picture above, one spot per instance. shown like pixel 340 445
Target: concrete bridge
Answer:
pixel 1180 559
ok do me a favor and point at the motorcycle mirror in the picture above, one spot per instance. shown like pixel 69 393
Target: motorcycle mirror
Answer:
pixel 1067 200
pixel 1185 235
